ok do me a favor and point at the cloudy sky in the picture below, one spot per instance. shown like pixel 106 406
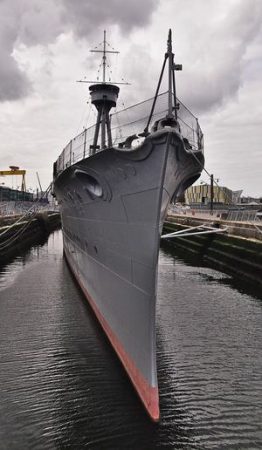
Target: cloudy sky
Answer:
pixel 44 49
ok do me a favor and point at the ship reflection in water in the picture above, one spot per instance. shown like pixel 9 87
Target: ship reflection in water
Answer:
pixel 63 387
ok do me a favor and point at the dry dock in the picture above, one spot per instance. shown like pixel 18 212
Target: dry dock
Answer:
pixel 238 251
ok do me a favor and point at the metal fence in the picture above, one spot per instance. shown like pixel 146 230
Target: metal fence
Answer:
pixel 130 121
pixel 243 216
pixel 225 214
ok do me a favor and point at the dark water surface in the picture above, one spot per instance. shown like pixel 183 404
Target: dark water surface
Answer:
pixel 62 387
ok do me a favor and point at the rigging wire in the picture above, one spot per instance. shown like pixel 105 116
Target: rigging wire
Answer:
pixel 128 117
pixel 119 128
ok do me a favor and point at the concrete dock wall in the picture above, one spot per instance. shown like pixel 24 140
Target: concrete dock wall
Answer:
pixel 237 252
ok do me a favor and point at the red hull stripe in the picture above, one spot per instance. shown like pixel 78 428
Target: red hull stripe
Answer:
pixel 147 393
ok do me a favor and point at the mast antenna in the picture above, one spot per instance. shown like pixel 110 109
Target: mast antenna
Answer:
pixel 104 60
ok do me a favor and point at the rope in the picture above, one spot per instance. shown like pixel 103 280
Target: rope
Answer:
pixel 15 236
pixel 28 212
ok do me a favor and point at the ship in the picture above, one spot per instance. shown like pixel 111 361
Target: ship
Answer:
pixel 114 183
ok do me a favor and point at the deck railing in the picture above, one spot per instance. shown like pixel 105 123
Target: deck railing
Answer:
pixel 127 122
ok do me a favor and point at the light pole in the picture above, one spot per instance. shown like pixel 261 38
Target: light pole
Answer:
pixel 211 194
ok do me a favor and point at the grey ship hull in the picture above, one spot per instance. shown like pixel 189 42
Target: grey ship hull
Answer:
pixel 113 205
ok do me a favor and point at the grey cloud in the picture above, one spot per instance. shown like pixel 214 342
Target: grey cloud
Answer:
pixel 40 22
pixel 217 73
pixel 29 22
pixel 33 22
pixel 13 83
pixel 86 15
pixel 213 53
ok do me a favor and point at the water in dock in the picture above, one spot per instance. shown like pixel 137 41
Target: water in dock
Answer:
pixel 62 387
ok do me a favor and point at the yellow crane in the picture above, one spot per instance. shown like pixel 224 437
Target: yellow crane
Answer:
pixel 14 170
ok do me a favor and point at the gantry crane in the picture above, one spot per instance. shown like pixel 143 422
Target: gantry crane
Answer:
pixel 14 170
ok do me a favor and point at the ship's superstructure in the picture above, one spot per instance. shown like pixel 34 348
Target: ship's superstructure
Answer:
pixel 113 183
